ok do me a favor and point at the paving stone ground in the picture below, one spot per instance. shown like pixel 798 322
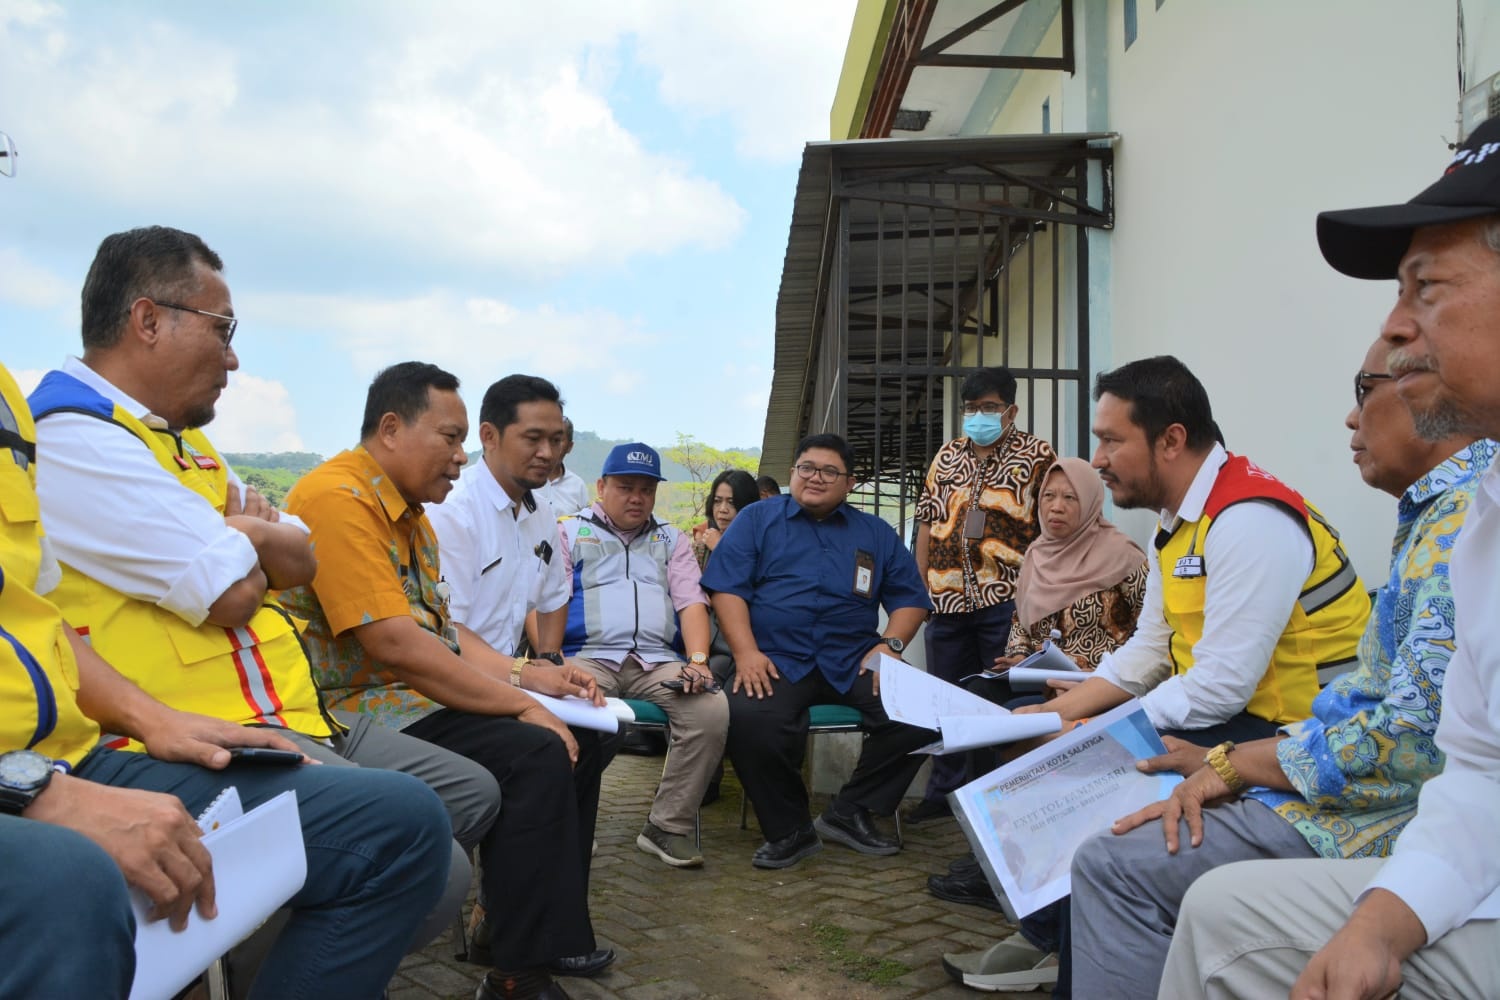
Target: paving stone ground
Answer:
pixel 840 924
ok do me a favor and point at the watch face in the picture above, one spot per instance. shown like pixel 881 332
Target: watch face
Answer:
pixel 24 769
pixel 896 645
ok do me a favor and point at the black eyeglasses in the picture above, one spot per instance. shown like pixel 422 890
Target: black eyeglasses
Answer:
pixel 225 335
pixel 822 473
pixel 988 409
pixel 1362 385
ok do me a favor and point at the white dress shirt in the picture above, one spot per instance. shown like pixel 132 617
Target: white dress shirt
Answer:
pixel 114 514
pixel 568 493
pixel 499 558
pixel 1445 862
pixel 1258 557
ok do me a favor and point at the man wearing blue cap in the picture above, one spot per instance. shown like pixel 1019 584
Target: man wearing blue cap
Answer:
pixel 636 610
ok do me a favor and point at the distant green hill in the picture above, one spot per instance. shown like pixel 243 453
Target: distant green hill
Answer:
pixel 274 473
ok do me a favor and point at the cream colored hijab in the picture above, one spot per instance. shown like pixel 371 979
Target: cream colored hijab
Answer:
pixel 1058 571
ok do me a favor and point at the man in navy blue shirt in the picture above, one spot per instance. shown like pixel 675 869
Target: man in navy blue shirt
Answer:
pixel 798 582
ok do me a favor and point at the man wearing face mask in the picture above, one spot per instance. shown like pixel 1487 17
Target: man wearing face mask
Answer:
pixel 977 514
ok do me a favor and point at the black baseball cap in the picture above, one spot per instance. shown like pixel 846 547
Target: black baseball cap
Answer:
pixel 1370 242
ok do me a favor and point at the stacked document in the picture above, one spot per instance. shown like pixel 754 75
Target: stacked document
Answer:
pixel 1026 818
pixel 584 714
pixel 964 721
pixel 259 863
pixel 1047 663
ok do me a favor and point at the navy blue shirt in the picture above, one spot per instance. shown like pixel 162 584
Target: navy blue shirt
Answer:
pixel 810 604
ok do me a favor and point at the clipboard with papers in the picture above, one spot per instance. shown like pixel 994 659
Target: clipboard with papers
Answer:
pixel 259 863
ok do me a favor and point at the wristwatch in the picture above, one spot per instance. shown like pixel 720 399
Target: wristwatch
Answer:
pixel 23 775
pixel 897 646
pixel 699 659
pixel 552 657
pixel 1218 759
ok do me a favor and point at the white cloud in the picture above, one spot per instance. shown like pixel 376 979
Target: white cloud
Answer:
pixel 772 66
pixel 457 138
pixel 255 414
pixel 26 378
pixel 478 339
pixel 26 284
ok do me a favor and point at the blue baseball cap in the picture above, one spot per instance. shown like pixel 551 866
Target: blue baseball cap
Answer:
pixel 633 459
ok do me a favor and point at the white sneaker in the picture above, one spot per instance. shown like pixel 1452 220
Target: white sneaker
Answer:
pixel 1013 965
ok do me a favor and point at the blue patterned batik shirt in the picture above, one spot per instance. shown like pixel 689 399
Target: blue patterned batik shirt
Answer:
pixel 1361 759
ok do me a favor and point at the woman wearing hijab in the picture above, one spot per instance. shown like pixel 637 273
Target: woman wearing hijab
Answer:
pixel 1083 578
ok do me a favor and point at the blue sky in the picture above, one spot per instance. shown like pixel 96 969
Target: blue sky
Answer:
pixel 595 192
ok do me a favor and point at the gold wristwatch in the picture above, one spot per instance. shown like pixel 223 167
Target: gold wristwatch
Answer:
pixel 1218 759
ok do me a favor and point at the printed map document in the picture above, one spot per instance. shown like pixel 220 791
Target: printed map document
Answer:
pixel 1026 819
pixel 259 863
pixel 964 720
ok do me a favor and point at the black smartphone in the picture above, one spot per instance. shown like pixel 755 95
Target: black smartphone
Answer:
pixel 264 755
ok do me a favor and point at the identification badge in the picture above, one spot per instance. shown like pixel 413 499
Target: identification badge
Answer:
pixel 864 572
pixel 974 525
pixel 1188 566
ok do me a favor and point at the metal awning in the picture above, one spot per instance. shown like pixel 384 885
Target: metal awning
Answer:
pixel 864 220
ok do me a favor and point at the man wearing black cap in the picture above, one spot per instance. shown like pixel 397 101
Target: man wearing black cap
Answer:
pixel 1423 920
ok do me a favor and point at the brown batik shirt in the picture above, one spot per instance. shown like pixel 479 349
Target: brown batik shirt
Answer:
pixel 968 575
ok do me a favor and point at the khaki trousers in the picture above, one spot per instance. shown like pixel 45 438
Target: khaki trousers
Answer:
pixel 1248 929
pixel 699 725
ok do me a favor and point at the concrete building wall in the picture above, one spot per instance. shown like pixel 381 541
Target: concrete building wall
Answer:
pixel 1239 123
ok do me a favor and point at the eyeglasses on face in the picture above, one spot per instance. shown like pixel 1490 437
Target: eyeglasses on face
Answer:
pixel 1362 385
pixel 988 409
pixel 822 473
pixel 225 334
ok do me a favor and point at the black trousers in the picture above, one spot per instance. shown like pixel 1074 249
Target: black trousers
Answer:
pixel 535 859
pixel 768 741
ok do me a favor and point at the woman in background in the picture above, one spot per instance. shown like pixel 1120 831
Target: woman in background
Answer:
pixel 732 490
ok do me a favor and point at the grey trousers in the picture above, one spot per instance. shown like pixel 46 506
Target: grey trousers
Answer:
pixel 1247 930
pixel 1127 891
pixel 469 793
pixel 700 723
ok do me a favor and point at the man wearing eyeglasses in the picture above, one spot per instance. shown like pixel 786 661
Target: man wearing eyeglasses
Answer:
pixel 798 583
pixel 975 518
pixel 1343 783
pixel 173 586
pixel 1423 921
pixel 638 621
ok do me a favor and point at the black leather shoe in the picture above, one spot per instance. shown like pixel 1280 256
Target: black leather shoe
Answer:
pixel 929 809
pixel 789 850
pixel 965 865
pixel 965 887
pixel 855 829
pixel 591 964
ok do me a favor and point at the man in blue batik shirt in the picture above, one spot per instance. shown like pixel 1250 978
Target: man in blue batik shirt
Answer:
pixel 798 583
pixel 1342 784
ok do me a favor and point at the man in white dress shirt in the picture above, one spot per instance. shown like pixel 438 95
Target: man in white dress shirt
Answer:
pixel 495 538
pixel 563 489
pixel 1423 920
pixel 1250 601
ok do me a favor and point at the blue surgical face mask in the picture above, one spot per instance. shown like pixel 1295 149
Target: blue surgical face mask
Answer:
pixel 984 429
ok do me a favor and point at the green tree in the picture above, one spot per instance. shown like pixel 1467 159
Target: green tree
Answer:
pixel 682 503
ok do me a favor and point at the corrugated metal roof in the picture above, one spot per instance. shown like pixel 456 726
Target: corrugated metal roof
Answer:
pixel 800 305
